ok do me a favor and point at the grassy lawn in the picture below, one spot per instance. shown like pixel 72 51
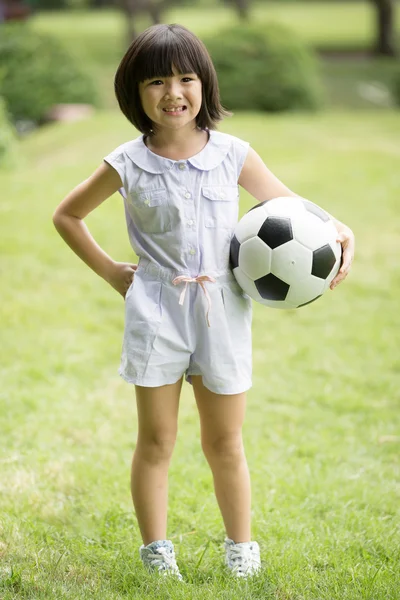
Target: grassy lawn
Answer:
pixel 98 39
pixel 322 428
pixel 358 83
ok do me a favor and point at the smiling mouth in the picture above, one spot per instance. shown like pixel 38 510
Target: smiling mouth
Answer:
pixel 175 109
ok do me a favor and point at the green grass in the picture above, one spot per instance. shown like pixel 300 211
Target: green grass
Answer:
pixel 359 83
pixel 322 427
pixel 98 40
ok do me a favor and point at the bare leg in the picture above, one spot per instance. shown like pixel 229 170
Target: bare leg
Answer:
pixel 157 429
pixel 221 418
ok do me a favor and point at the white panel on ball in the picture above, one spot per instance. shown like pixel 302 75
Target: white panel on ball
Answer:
pixel 285 206
pixel 309 230
pixel 313 233
pixel 306 290
pixel 255 258
pixel 291 261
pixel 250 224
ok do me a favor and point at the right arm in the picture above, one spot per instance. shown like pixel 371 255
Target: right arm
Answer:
pixel 68 220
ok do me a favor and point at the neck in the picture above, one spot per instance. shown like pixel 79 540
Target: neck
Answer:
pixel 177 144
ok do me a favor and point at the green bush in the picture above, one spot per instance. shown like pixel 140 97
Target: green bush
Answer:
pixel 8 138
pixel 396 87
pixel 37 72
pixel 264 68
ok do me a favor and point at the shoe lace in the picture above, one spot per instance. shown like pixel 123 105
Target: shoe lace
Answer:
pixel 243 558
pixel 163 560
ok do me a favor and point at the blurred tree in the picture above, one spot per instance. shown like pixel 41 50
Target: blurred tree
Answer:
pixel 385 23
pixel 385 44
pixel 242 7
pixel 154 8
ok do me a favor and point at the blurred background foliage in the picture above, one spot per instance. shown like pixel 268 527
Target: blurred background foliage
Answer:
pixel 7 138
pixel 265 68
pixel 39 72
pixel 270 55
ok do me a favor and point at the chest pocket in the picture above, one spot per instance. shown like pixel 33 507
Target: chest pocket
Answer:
pixel 151 210
pixel 221 205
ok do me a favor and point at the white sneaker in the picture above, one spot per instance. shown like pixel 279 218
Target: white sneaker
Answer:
pixel 159 556
pixel 243 559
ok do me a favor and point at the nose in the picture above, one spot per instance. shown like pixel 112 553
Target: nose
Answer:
pixel 173 90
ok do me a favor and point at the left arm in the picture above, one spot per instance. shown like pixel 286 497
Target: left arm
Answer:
pixel 262 184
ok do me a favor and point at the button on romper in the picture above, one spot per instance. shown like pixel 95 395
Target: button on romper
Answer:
pixel 184 311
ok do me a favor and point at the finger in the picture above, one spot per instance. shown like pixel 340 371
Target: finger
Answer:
pixel 132 270
pixel 343 271
pixel 347 254
pixel 341 275
pixel 335 283
pixel 129 279
pixel 348 245
pixel 346 264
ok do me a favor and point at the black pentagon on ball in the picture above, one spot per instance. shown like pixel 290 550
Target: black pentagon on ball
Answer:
pixel 234 252
pixel 271 288
pixel 323 262
pixel 316 210
pixel 276 231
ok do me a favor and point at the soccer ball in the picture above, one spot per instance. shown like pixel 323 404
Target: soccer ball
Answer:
pixel 284 252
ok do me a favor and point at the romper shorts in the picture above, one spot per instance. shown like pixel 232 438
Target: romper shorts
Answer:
pixel 164 340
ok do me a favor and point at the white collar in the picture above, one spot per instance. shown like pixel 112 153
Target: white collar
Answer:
pixel 208 158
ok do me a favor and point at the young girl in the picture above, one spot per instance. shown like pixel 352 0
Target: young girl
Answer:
pixel 185 315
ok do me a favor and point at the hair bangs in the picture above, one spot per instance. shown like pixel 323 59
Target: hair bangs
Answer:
pixel 167 51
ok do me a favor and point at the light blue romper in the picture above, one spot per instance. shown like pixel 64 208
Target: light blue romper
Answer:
pixel 181 217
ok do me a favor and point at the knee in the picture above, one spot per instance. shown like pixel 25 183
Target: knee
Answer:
pixel 228 447
pixel 156 448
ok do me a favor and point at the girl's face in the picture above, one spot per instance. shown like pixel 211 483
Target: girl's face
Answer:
pixel 171 102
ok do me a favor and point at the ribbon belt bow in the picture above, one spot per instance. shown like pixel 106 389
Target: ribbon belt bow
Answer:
pixel 200 280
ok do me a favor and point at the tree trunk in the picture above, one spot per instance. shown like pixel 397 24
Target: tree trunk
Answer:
pixel 155 9
pixel 385 44
pixel 243 9
pixel 131 8
pixel 128 7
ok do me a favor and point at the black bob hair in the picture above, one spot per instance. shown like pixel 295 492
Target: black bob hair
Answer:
pixel 152 55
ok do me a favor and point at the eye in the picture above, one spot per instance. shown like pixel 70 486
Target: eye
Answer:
pixel 186 79
pixel 156 82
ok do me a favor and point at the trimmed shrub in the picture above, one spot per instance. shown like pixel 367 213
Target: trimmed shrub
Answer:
pixel 37 72
pixel 8 140
pixel 265 68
